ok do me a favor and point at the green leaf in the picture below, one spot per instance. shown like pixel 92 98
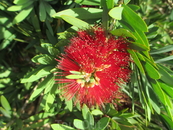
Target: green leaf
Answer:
pixel 136 60
pixel 20 7
pixel 36 74
pixel 75 72
pixel 38 124
pixel 141 39
pixel 88 2
pixel 155 106
pixel 7 41
pixel 5 112
pixel 61 127
pixel 79 124
pixel 151 71
pixel 49 9
pixel 48 81
pixel 75 21
pixel 6 33
pixel 85 110
pixel 69 104
pixel 49 100
pixel 81 13
pixel 46 45
pixel 90 120
pixel 114 125
pixel 42 11
pixel 168 89
pixel 72 76
pixel 137 46
pixel 165 76
pixel 43 59
pixel 123 32
pixel 53 51
pixel 102 123
pixel 167 121
pixel 159 92
pixel 36 117
pixel 49 27
pixel 52 39
pixel 164 59
pixel 110 4
pixel 126 1
pixel 88 117
pixel 116 13
pixel 96 112
pixel 19 2
pixel 22 15
pixel 133 19
pixel 35 22
pixel 5 103
pixel 162 50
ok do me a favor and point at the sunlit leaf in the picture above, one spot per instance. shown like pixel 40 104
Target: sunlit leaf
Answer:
pixel 81 13
pixel 116 13
pixel 43 59
pixel 20 1
pixel 96 112
pixel 20 7
pixel 5 103
pixel 69 104
pixel 49 101
pixel 79 124
pixel 75 21
pixel 88 2
pixel 48 81
pixel 22 15
pixel 61 127
pixel 73 76
pixel 36 74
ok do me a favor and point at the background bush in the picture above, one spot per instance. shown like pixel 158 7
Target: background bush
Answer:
pixel 33 36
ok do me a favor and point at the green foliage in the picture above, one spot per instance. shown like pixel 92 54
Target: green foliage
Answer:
pixel 33 36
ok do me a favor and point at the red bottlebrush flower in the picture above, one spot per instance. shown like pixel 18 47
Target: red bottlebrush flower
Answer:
pixel 94 66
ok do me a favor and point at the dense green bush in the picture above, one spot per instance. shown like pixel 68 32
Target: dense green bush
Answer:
pixel 33 36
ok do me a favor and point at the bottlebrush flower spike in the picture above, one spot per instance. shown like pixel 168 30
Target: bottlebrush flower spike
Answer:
pixel 94 66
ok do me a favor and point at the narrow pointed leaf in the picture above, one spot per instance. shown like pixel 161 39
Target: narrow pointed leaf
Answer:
pixel 22 15
pixel 151 71
pixel 42 11
pixel 136 60
pixel 5 103
pixel 81 13
pixel 75 21
pixel 133 19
